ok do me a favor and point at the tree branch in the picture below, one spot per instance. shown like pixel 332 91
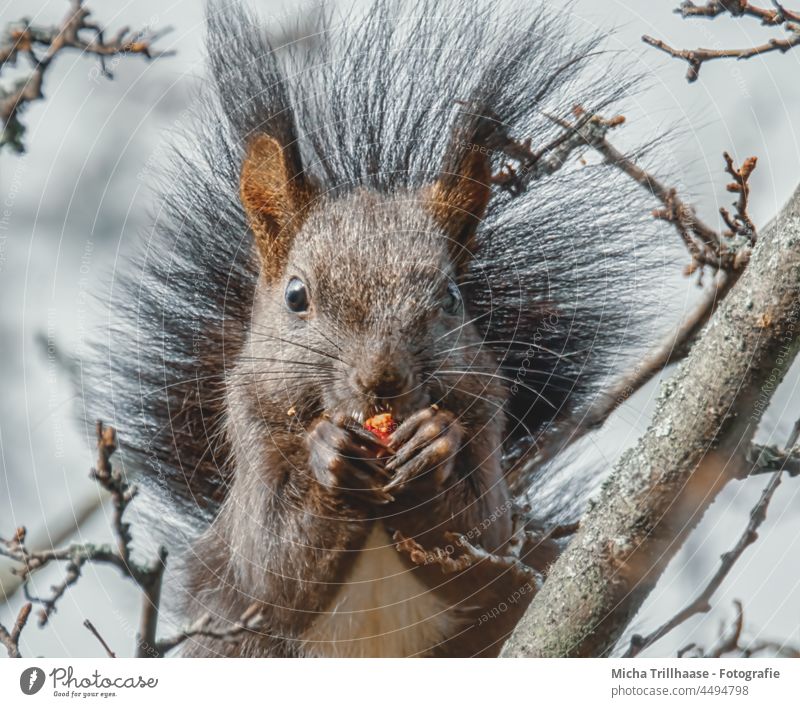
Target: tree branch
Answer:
pixel 702 604
pixel 75 556
pixel 730 643
pixel 738 8
pixel 251 620
pixel 89 625
pixel 695 58
pixel 41 45
pixel 148 577
pixel 726 254
pixel 658 491
pixel 10 639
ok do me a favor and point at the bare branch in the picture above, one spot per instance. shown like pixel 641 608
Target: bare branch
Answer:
pixel 695 58
pixel 705 418
pixel 702 603
pixel 740 224
pixel 88 624
pixel 10 639
pixel 758 515
pixel 148 577
pixel 729 639
pixel 41 45
pixel 766 459
pixel 251 620
pixel 707 247
pixel 151 602
pixel 730 643
pixel 781 650
pixel 470 555
pixel 738 8
pixel 75 556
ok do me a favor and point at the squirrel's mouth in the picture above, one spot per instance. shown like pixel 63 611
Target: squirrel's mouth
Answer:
pixel 363 409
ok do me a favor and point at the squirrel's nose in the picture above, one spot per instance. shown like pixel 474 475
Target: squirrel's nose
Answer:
pixel 382 382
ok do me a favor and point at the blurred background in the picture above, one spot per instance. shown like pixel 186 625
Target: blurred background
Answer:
pixel 79 197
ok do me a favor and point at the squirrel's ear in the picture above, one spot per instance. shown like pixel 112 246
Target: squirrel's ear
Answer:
pixel 459 196
pixel 275 198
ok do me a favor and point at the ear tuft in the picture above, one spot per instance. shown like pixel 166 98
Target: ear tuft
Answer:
pixel 275 198
pixel 459 197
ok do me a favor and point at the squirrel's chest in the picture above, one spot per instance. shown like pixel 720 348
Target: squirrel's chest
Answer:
pixel 382 610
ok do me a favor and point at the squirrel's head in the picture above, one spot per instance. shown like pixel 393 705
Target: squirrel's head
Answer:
pixel 360 306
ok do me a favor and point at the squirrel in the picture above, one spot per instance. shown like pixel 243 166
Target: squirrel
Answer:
pixel 334 246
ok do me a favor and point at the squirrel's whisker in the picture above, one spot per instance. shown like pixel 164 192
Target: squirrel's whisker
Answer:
pixel 462 325
pixel 517 343
pixel 499 377
pixel 289 362
pixel 500 406
pixel 298 344
pixel 528 370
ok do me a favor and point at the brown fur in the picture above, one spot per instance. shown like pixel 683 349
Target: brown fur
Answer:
pixel 274 199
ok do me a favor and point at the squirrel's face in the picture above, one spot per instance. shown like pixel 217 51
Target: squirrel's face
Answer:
pixel 358 308
pixel 367 314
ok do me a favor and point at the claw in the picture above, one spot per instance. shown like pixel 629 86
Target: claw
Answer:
pixel 346 463
pixel 407 429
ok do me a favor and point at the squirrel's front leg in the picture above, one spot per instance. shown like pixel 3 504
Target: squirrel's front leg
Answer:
pixel 448 481
pixel 456 524
pixel 344 462
pixel 427 444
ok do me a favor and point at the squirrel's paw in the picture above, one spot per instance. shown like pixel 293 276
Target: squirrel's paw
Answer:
pixel 343 462
pixel 427 444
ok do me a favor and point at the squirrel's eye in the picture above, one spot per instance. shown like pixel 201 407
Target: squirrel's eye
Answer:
pixel 452 299
pixel 296 296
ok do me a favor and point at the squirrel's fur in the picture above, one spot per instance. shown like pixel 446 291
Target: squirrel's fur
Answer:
pixel 370 118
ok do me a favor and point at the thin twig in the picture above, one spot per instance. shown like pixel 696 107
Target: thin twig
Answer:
pixel 251 620
pixel 730 642
pixel 40 46
pixel 727 251
pixel 88 624
pixel 781 650
pixel 729 639
pixel 766 459
pixel 148 577
pixel 470 555
pixel 77 555
pixel 151 602
pixel 10 639
pixel 58 532
pixel 702 604
pixel 738 8
pixel 695 58
pixel 475 554
pixel 740 224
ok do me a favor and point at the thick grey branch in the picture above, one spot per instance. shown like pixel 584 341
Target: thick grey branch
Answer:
pixel 658 491
pixel 702 603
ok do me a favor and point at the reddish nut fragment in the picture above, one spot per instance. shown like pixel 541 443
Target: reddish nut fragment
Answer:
pixel 381 426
